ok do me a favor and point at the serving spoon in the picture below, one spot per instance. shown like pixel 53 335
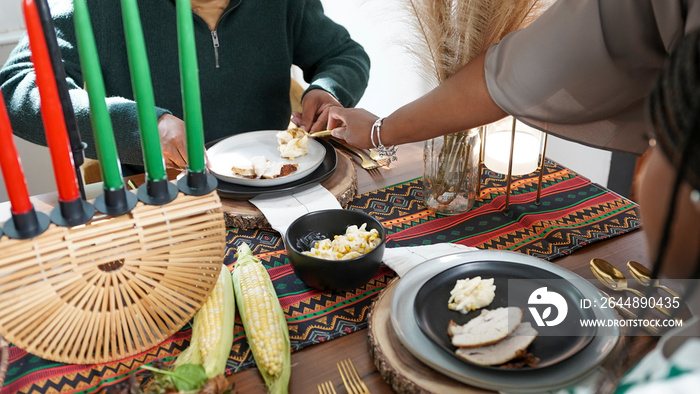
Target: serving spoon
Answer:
pixel 614 279
pixel 643 277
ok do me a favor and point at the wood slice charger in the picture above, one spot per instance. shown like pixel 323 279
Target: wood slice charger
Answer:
pixel 342 183
pixel 403 372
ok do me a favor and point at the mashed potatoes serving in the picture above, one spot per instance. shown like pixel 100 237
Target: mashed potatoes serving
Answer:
pixel 355 242
pixel 470 294
pixel 293 143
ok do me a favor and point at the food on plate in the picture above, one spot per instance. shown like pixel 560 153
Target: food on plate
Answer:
pixel 470 294
pixel 293 143
pixel 355 242
pixel 489 327
pixel 260 167
pixel 511 347
pixel 263 319
pixel 528 360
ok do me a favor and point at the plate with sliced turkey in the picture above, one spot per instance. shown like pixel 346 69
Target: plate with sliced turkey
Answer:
pixel 475 314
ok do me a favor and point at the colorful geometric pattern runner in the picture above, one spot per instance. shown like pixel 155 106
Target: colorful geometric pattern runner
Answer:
pixel 573 212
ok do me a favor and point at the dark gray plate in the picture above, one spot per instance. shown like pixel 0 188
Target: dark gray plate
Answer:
pixel 242 192
pixel 433 316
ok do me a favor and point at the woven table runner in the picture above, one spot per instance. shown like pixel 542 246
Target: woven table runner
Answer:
pixel 573 212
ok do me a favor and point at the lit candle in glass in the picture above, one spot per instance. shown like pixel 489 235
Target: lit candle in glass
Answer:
pixel 143 92
pixel 526 149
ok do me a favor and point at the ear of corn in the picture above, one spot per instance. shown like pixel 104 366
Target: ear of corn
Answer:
pixel 263 319
pixel 212 329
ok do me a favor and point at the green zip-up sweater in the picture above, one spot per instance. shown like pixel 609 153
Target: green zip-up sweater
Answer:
pixel 243 67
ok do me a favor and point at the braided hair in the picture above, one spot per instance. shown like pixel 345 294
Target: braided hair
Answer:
pixel 674 109
pixel 674 106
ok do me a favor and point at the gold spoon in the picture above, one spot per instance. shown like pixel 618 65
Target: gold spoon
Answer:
pixel 614 279
pixel 321 133
pixel 643 277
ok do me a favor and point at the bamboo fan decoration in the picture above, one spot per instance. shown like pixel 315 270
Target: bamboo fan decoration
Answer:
pixel 115 286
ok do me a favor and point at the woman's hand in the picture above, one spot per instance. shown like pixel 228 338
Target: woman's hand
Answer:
pixel 173 141
pixel 353 125
pixel 315 105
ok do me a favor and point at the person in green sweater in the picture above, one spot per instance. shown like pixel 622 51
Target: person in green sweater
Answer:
pixel 245 49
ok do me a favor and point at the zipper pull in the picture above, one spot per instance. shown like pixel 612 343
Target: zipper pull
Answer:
pixel 215 40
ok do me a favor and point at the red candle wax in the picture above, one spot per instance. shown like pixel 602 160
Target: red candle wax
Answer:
pixel 51 109
pixel 11 168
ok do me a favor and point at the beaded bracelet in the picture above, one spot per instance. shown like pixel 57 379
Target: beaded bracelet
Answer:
pixel 384 152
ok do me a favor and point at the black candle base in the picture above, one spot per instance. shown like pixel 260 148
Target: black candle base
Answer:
pixel 26 225
pixel 72 213
pixel 157 192
pixel 116 202
pixel 197 183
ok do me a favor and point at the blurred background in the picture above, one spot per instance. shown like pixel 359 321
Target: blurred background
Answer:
pixel 381 27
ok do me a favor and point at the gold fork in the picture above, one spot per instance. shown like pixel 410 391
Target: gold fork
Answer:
pixel 352 381
pixel 366 163
pixel 326 388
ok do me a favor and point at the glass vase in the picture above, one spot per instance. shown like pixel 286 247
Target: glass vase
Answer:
pixel 451 172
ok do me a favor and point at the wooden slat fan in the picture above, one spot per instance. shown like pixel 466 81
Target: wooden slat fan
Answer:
pixel 114 287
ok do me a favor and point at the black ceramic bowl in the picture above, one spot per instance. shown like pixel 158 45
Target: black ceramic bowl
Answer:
pixel 332 274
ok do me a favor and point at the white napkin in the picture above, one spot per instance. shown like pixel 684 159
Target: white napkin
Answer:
pixel 281 210
pixel 402 259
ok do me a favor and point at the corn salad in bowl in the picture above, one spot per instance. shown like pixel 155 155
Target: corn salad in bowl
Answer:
pixel 335 249
pixel 355 242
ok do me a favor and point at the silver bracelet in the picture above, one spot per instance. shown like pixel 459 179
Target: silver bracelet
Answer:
pixel 389 153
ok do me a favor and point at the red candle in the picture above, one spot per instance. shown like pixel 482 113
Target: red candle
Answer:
pixel 11 168
pixel 51 109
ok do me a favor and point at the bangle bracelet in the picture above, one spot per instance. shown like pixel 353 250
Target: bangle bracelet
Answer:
pixel 389 153
pixel 377 124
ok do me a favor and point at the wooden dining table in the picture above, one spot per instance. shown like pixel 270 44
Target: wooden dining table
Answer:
pixel 316 364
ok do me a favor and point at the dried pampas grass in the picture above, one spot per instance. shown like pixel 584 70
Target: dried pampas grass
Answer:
pixel 449 33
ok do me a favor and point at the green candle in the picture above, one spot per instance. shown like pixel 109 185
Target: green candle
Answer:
pixel 101 123
pixel 143 92
pixel 189 78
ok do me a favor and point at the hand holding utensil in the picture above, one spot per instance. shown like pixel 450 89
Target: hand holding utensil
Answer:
pixel 643 277
pixel 614 279
pixel 321 133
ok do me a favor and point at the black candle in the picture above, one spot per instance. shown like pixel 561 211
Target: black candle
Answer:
pixel 59 71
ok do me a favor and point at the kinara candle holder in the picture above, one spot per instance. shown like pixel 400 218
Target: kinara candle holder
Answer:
pixel 115 286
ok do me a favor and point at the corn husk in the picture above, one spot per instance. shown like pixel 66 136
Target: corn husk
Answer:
pixel 279 383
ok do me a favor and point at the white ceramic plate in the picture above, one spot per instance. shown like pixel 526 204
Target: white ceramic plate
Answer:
pixel 241 148
pixel 567 372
